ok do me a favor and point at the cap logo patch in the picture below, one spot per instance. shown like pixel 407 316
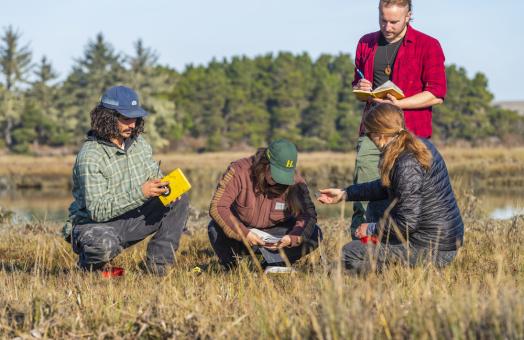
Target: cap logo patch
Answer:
pixel 289 164
pixel 134 103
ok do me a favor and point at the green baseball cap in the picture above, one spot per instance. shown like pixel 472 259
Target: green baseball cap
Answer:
pixel 282 155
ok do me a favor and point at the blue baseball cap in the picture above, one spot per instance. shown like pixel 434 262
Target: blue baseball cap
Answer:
pixel 124 100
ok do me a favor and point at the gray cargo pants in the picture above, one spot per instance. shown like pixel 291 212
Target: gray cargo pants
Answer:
pixel 98 243
pixel 360 258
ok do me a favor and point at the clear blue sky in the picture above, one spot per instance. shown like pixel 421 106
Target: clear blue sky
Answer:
pixel 479 35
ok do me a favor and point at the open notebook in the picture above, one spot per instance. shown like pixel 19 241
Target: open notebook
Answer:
pixel 380 92
pixel 266 237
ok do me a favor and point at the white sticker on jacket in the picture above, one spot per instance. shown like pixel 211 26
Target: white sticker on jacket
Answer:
pixel 280 206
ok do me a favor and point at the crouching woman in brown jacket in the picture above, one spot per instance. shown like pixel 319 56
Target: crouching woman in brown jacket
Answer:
pixel 263 193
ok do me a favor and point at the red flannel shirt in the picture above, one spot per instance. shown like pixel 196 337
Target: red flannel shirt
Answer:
pixel 419 66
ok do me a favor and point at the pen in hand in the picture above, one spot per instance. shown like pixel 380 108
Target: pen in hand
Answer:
pixel 360 73
pixel 363 83
pixel 166 187
pixel 158 170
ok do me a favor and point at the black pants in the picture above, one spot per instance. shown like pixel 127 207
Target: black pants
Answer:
pixel 228 249
pixel 98 243
pixel 359 258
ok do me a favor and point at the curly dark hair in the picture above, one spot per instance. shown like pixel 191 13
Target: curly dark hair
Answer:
pixel 104 123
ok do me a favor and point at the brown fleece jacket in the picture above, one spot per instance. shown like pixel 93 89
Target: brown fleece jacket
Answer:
pixel 235 207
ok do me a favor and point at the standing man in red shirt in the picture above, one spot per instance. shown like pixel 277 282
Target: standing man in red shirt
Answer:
pixel 414 61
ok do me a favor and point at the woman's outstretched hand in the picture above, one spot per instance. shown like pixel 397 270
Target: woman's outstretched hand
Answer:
pixel 331 196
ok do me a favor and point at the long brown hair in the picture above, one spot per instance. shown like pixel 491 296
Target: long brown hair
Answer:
pixel 389 119
pixel 258 175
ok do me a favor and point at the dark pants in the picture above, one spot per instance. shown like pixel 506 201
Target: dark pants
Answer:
pixel 98 243
pixel 228 249
pixel 359 258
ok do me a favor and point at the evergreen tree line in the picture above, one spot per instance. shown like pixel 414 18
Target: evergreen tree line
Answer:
pixel 227 104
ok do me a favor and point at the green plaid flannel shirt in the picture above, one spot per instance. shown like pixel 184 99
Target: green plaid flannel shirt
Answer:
pixel 107 180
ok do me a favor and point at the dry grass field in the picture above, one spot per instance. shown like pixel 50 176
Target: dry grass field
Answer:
pixel 481 295
pixel 479 159
pixel 491 166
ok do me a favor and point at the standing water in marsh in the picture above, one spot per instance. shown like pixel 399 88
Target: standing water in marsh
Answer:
pixel 51 206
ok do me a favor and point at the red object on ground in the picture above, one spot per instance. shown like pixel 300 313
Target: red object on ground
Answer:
pixel 113 272
pixel 366 239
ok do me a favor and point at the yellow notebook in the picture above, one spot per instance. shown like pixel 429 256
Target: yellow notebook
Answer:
pixel 178 185
pixel 380 92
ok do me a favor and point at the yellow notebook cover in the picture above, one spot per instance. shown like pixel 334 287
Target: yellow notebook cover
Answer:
pixel 178 185
pixel 380 92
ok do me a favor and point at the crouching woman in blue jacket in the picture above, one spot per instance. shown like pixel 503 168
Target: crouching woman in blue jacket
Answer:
pixel 423 222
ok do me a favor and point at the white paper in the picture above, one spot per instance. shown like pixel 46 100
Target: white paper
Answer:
pixel 266 237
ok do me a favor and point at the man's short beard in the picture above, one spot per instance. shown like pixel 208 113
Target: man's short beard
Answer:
pixel 401 31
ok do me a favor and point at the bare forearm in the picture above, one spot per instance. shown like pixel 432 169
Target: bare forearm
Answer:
pixel 419 101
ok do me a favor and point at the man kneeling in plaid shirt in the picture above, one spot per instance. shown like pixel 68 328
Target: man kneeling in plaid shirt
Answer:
pixel 115 187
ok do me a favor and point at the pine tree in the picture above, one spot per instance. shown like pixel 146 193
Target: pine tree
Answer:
pixel 200 98
pixel 153 84
pixel 99 68
pixel 214 92
pixel 245 114
pixel 39 124
pixel 15 60
pixel 44 94
pixel 465 113
pixel 349 110
pixel 11 104
pixel 15 64
pixel 318 120
pixel 186 95
pixel 291 78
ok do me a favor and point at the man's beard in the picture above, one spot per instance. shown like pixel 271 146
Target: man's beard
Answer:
pixel 397 35
pixel 126 133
